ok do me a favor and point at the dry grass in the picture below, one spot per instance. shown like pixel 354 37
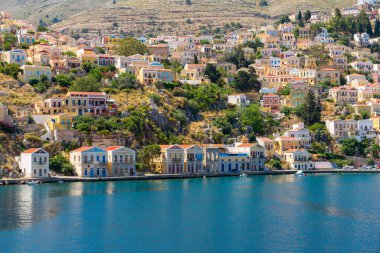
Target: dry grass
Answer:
pixel 168 15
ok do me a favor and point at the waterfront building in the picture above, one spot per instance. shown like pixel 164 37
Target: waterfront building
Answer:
pixel 254 152
pixel 121 161
pixel 299 159
pixel 34 163
pixel 233 162
pixel 211 153
pixel 193 155
pixel 90 162
pixel 171 160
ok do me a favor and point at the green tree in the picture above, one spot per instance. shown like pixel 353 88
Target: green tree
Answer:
pixel 247 81
pixel 86 84
pixel 64 80
pixel 310 111
pixel 307 15
pixel 251 117
pixel 284 19
pixel 299 16
pixel 146 156
pixel 61 165
pixel 10 40
pixel 237 57
pixel 129 46
pixel 124 81
pixel 377 28
pixel 212 73
pixel 352 147
pixel 11 69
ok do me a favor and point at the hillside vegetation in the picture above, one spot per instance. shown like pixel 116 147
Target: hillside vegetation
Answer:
pixel 144 16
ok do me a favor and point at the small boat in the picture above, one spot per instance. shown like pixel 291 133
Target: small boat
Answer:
pixel 300 173
pixel 243 175
pixel 60 182
pixel 204 177
pixel 32 182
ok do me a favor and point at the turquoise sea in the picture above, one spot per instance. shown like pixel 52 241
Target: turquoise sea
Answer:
pixel 315 213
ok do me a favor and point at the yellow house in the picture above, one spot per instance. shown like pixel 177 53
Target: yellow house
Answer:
pixel 89 58
pixel 33 71
pixel 376 122
pixel 284 143
pixel 61 121
pixel 268 144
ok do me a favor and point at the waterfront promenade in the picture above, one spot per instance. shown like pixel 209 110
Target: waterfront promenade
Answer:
pixel 174 176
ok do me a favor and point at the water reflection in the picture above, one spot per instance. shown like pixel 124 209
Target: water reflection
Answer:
pixel 22 205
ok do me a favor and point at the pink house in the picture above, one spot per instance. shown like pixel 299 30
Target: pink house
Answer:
pixel 271 102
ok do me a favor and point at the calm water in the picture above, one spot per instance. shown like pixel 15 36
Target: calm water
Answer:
pixel 334 213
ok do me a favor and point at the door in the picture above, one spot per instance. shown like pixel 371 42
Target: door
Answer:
pixel 104 173
pixel 80 112
pixel 92 172
pixel 131 172
pixel 40 173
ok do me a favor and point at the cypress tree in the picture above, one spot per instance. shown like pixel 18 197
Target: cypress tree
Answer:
pixel 299 16
pixel 377 28
pixel 360 27
pixel 369 28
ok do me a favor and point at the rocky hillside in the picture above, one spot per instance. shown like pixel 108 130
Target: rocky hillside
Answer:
pixel 142 16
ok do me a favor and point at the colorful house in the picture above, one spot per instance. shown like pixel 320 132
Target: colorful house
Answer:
pixel 33 71
pixel 90 162
pixel 121 161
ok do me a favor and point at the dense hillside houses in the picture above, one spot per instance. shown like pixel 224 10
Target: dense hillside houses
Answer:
pixel 281 96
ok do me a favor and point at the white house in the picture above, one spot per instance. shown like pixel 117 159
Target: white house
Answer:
pixel 363 2
pixel 364 66
pixel 34 163
pixel 275 62
pixel 300 133
pixel 361 39
pixel 351 129
pixel 238 99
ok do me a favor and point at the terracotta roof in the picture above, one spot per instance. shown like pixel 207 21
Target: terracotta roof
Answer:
pixel 85 93
pixel 113 148
pixel 187 146
pixel 30 151
pixel 213 145
pixel 287 138
pixel 293 150
pixel 81 149
pixel 270 95
pixel 246 145
pixel 264 139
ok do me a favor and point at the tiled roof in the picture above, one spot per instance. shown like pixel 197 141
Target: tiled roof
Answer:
pixel 30 151
pixel 113 148
pixel 246 145
pixel 81 149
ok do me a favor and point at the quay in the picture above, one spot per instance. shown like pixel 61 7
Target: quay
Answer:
pixel 73 179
